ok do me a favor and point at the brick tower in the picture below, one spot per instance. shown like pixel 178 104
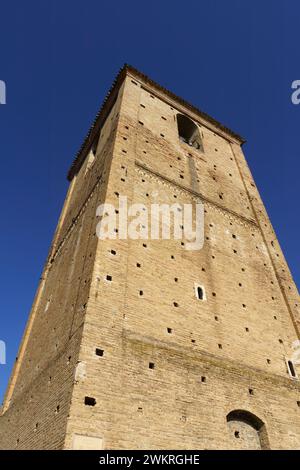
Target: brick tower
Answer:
pixel 136 344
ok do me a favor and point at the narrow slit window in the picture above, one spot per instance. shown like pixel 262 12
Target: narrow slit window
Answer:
pixel 291 369
pixel 200 292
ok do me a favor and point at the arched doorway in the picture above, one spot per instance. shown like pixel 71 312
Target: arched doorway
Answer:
pixel 247 431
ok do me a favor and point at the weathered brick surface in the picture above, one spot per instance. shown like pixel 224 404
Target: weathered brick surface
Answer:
pixel 227 352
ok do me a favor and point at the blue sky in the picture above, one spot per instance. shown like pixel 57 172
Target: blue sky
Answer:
pixel 234 59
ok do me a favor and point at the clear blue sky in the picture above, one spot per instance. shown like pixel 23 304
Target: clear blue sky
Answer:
pixel 234 59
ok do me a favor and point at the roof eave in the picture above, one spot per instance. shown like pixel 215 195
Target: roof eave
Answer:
pixel 102 114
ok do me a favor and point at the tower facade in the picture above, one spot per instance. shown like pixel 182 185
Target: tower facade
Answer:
pixel 141 343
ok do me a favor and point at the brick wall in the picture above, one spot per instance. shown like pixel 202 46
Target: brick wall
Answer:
pixel 140 362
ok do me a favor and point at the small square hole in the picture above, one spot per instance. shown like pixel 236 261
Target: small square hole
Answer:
pixel 251 391
pixel 99 352
pixel 151 365
pixel 203 379
pixel 169 330
pixel 109 278
pixel 89 401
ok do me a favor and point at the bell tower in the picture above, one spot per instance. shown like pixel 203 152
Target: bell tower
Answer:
pixel 140 343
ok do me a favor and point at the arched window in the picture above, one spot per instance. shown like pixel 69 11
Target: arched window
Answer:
pixel 247 431
pixel 189 132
